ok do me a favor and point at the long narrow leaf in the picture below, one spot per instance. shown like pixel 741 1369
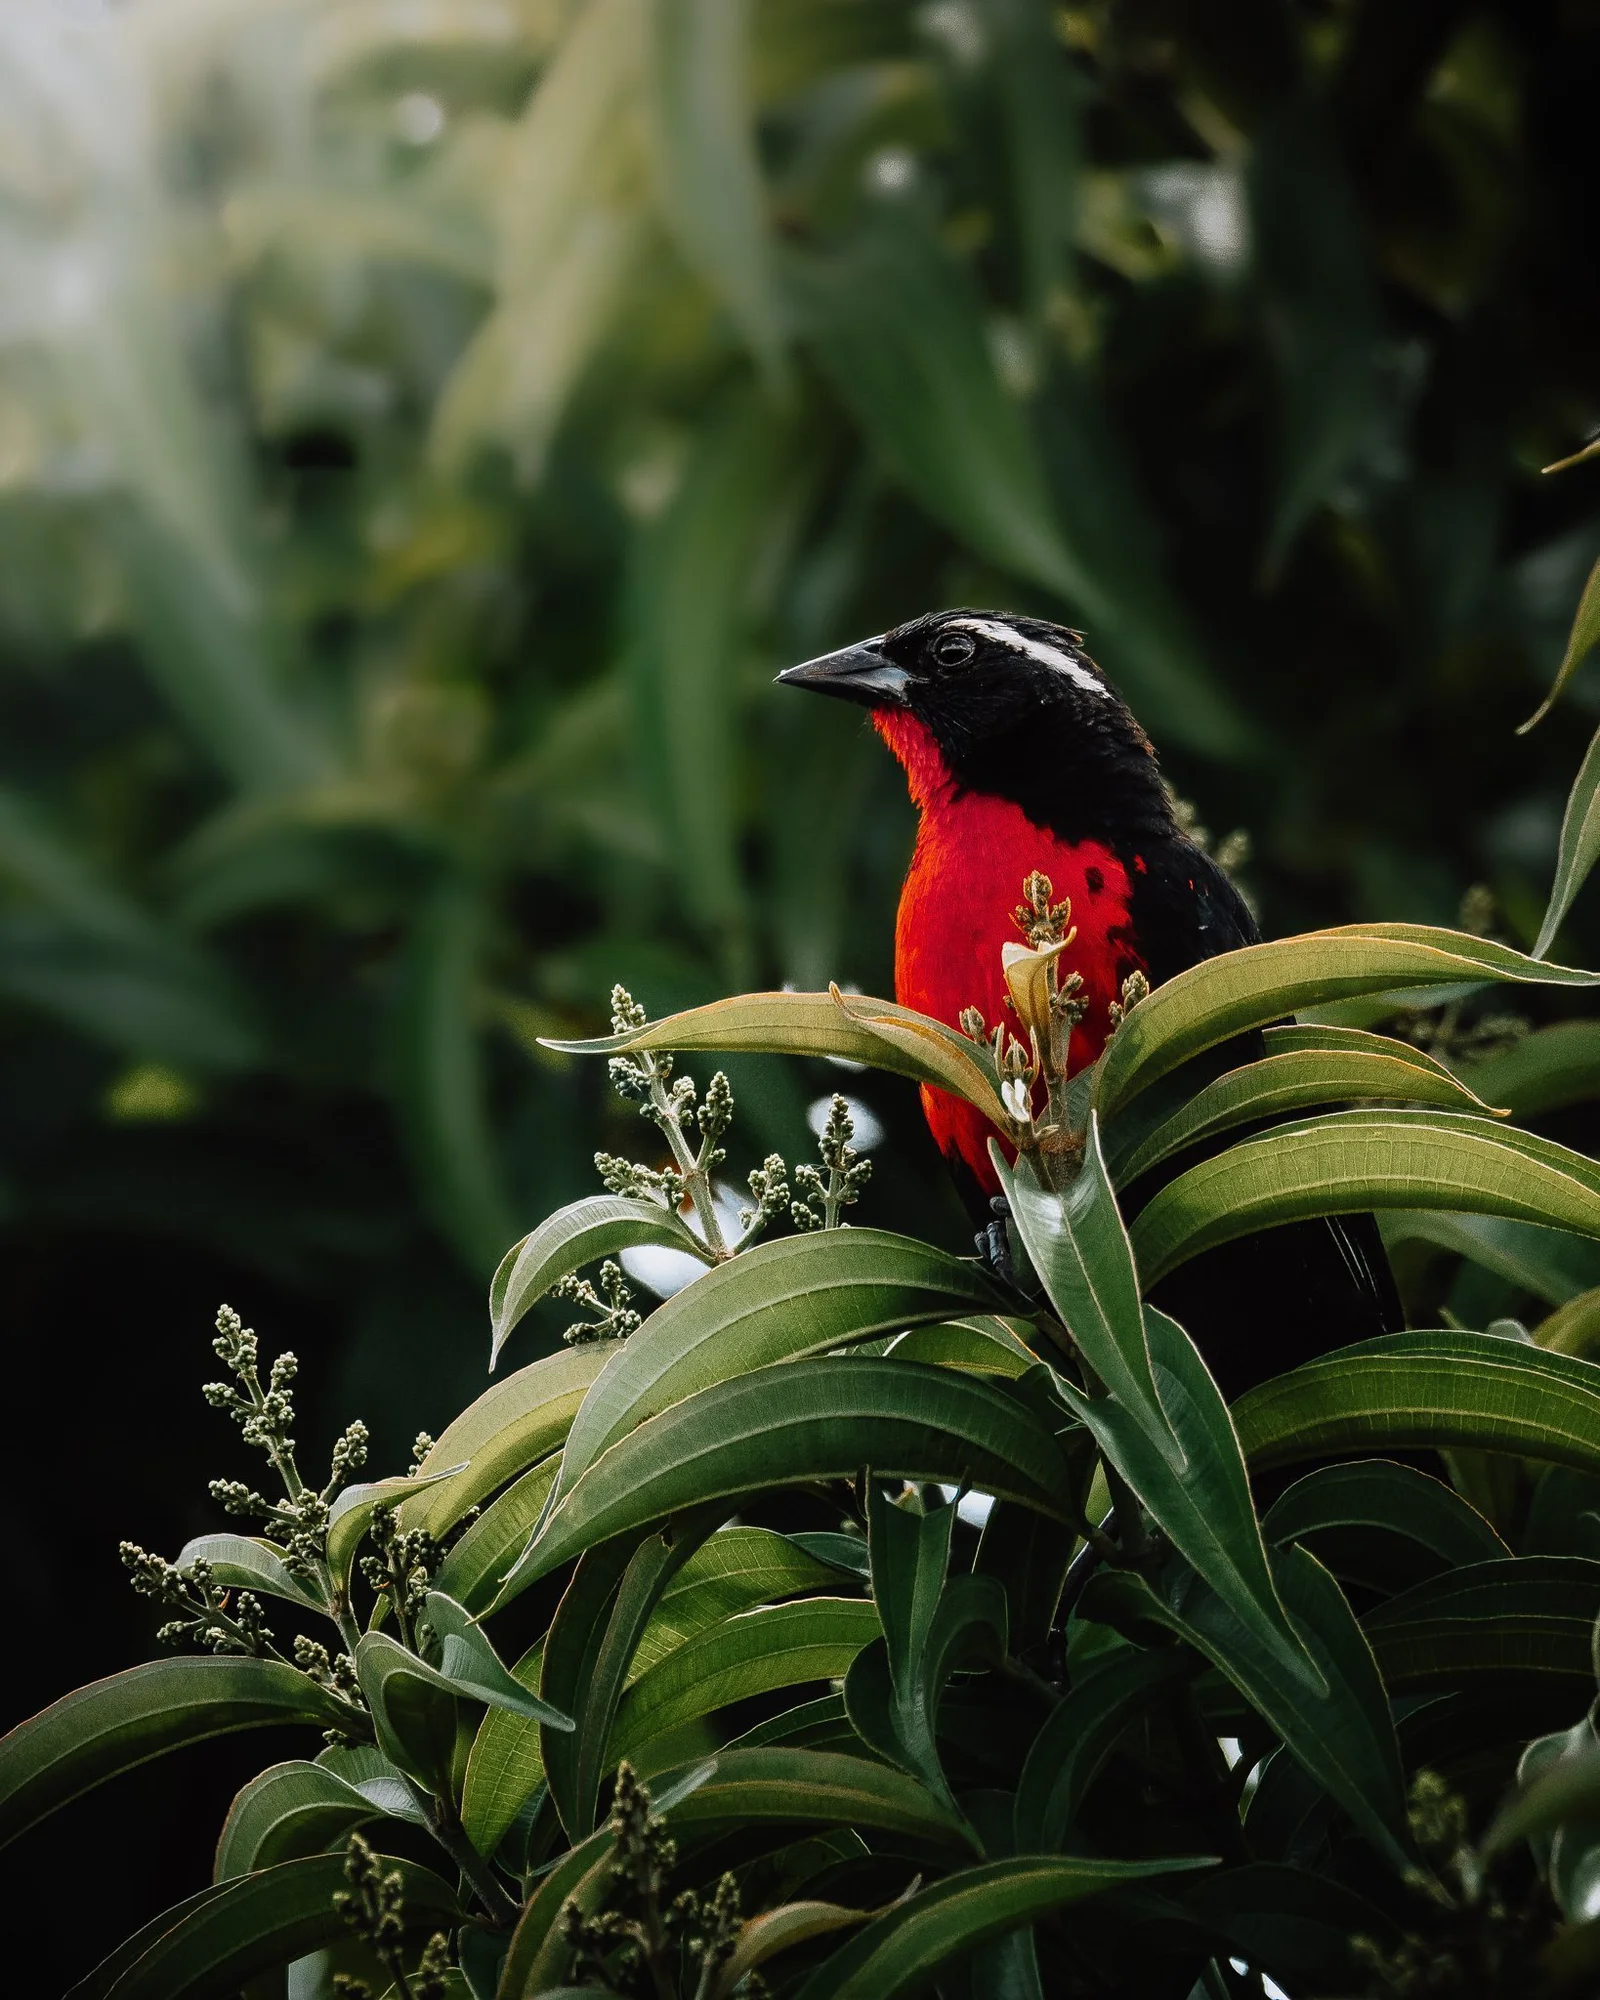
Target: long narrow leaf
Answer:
pixel 111 1726
pixel 1223 996
pixel 794 1296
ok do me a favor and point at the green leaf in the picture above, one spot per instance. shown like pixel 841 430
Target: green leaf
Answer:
pixel 105 1975
pixel 805 1787
pixel 904 1950
pixel 259 1922
pixel 351 1515
pixel 983 1346
pixel 505 1765
pixel 598 1226
pixel 803 1420
pixel 850 1026
pixel 1421 1391
pixel 112 1725
pixel 793 1296
pixel 509 1428
pixel 1079 1735
pixel 1563 1789
pixel 414 1710
pixel 1544 1071
pixel 779 1930
pixel 289 1810
pixel 471 1572
pixel 470 1665
pixel 1294 1080
pixel 1574 1327
pixel 1527 1620
pixel 778 1646
pixel 1553 1264
pixel 1333 1720
pixel 732 1571
pixel 1221 997
pixel 590 1646
pixel 930 1625
pixel 1391 1499
pixel 1581 641
pixel 242 1562
pixel 707 173
pixel 1579 843
pixel 1352 1161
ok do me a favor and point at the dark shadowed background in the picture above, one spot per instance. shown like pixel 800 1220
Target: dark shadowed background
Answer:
pixel 424 431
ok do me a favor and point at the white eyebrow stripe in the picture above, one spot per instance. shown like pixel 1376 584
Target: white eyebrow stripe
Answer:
pixel 1036 649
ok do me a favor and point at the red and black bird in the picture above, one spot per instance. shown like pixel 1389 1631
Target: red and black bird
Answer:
pixel 1020 755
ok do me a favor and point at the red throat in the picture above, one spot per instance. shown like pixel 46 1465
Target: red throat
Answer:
pixel 973 850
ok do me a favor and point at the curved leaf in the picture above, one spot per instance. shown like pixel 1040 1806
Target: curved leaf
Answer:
pixel 1352 1161
pixel 982 1346
pixel 286 1811
pixel 508 1428
pixel 1553 1264
pixel 733 1570
pixel 804 1787
pixel 1579 843
pixel 1294 1080
pixel 113 1725
pixel 243 1562
pixel 256 1923
pixel 804 1420
pixel 903 1951
pixel 1392 1499
pixel 853 1026
pixel 1531 1618
pixel 795 1296
pixel 598 1226
pixel 1223 996
pixel 779 1930
pixel 779 1646
pixel 1439 1390
pixel 1581 640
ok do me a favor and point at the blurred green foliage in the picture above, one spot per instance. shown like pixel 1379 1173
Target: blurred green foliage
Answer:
pixel 425 427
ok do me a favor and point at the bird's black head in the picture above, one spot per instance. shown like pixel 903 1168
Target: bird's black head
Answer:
pixel 1011 705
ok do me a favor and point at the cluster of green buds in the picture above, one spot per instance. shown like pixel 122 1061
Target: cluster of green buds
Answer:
pixel 641 1940
pixel 226 1621
pixel 265 1416
pixel 694 1130
pixel 406 1560
pixel 374 1908
pixel 825 1192
pixel 1470 1937
pixel 608 1303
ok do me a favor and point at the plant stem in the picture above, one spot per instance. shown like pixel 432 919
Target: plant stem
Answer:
pixel 696 1181
pixel 451 1836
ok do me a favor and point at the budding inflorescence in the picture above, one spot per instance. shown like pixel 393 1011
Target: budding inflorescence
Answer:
pixel 374 1908
pixel 641 1939
pixel 611 1316
pixel 265 1417
pixel 825 1192
pixel 228 1621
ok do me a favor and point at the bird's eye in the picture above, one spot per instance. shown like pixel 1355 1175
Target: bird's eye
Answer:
pixel 952 649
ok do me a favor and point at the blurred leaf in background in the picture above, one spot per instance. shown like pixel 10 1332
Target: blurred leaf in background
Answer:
pixel 424 429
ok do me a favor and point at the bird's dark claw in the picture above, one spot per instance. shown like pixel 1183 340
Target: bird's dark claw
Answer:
pixel 994 1243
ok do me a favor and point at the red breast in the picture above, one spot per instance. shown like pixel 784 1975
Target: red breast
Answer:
pixel 972 853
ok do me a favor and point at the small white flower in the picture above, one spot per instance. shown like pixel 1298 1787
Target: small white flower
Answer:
pixel 1017 1097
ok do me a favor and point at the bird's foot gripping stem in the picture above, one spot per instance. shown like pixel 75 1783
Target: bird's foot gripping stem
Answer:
pixel 993 1243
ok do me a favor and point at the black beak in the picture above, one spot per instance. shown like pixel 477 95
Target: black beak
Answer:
pixel 858 673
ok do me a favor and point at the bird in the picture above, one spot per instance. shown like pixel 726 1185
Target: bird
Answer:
pixel 1020 755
